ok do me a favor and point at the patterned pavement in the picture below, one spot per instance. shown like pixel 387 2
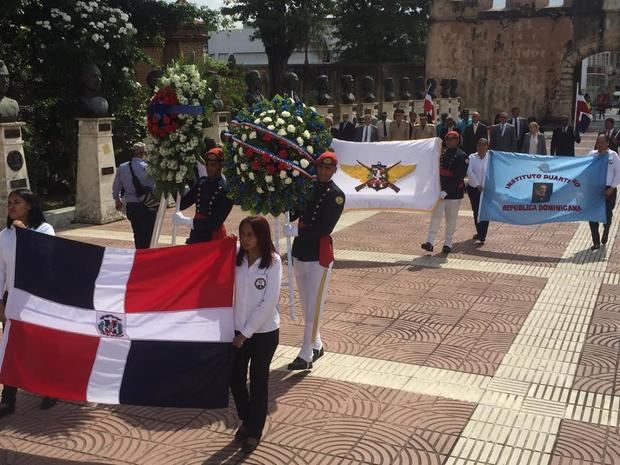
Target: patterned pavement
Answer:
pixel 505 353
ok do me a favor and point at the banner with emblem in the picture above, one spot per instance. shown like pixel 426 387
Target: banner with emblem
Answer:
pixel 116 326
pixel 532 189
pixel 398 174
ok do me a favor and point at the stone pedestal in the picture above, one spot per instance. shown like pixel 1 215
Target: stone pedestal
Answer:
pixel 417 106
pixel 13 171
pixel 349 109
pixel 449 106
pixel 95 172
pixel 373 107
pixel 219 123
pixel 325 110
pixel 402 104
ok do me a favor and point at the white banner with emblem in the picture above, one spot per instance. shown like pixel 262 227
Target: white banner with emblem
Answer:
pixel 399 174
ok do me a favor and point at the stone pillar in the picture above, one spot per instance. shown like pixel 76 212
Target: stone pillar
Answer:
pixel 374 107
pixel 325 111
pixel 219 123
pixel 95 173
pixel 417 106
pixel 13 171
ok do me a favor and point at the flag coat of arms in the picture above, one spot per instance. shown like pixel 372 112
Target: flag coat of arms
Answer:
pixel 398 174
pixel 118 326
pixel 532 189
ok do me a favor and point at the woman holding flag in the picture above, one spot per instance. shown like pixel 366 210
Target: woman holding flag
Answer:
pixel 24 211
pixel 258 276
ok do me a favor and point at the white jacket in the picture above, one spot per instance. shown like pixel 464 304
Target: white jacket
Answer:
pixel 257 292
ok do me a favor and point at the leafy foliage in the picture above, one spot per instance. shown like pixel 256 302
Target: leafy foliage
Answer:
pixel 380 31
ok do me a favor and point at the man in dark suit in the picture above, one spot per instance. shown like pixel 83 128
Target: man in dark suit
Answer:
pixel 520 126
pixel 346 130
pixel 367 132
pixel 612 134
pixel 564 139
pixel 450 126
pixel 473 133
pixel 503 136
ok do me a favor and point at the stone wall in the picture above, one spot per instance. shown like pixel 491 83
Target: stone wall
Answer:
pixel 526 55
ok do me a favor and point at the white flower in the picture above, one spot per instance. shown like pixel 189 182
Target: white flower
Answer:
pixel 244 137
pixel 280 122
pixel 259 189
pixel 304 163
pixel 125 70
pixel 243 167
pixel 112 20
pixel 290 128
pixel 122 30
pixel 257 121
pixel 285 114
pixel 310 150
pixel 238 171
pixel 240 150
pixel 235 158
pixel 253 135
pixel 263 114
pixel 271 127
pixel 281 132
pixel 300 119
pixel 267 119
pixel 271 188
pixel 95 37
pixel 251 175
pixel 235 144
pixel 312 109
pixel 106 45
pixel 268 179
pixel 295 173
pixel 300 141
pixel 99 25
pixel 283 175
pixel 306 134
pixel 289 180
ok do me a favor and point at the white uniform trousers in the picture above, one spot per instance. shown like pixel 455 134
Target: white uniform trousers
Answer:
pixel 312 282
pixel 449 208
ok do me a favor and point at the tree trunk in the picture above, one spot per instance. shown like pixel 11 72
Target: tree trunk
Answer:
pixel 278 60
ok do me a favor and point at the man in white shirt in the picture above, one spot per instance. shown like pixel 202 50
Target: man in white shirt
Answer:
pixel 476 173
pixel 613 180
pixel 383 126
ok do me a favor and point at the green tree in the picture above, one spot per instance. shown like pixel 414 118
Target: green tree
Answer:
pixel 282 25
pixel 380 31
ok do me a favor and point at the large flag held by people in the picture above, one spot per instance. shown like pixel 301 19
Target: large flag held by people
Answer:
pixel 116 326
pixel 531 189
pixel 389 174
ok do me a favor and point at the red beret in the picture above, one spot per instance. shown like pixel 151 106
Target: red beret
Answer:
pixel 453 134
pixel 327 158
pixel 215 154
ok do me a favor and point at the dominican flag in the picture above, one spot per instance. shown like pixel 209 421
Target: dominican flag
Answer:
pixel 117 326
pixel 429 106
pixel 584 114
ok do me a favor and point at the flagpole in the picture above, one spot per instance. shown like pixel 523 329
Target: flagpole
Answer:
pixel 291 272
pixel 174 226
pixel 159 221
pixel 576 105
pixel 276 235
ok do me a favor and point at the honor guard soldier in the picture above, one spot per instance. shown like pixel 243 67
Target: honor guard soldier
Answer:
pixel 313 254
pixel 212 204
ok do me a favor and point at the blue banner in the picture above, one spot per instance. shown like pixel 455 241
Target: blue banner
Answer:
pixel 532 189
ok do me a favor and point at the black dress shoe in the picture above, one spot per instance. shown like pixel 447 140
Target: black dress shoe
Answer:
pixel 427 246
pixel 242 434
pixel 299 364
pixel 6 409
pixel 446 249
pixel 475 238
pixel 605 235
pixel 317 354
pixel 595 247
pixel 250 444
pixel 48 402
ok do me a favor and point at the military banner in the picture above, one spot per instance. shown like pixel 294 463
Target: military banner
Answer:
pixel 399 174
pixel 532 189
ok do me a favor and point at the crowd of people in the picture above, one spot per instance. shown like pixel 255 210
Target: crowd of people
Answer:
pixel 463 165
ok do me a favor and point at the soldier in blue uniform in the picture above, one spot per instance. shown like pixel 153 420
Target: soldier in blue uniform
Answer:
pixel 212 204
pixel 313 254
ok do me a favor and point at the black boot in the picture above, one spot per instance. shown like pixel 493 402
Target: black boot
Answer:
pixel 48 402
pixel 299 364
pixel 605 234
pixel 6 409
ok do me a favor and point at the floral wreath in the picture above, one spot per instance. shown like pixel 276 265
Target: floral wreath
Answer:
pixel 175 118
pixel 270 153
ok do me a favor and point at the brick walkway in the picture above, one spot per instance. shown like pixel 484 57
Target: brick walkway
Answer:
pixel 505 353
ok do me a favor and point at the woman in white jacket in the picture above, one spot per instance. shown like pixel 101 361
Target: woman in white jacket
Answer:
pixel 257 290
pixel 24 211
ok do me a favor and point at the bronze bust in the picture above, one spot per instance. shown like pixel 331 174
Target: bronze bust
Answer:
pixel 253 94
pixel 368 89
pixel 346 83
pixel 388 90
pixel 291 86
pixel 322 90
pixel 91 104
pixel 9 108
pixel 405 93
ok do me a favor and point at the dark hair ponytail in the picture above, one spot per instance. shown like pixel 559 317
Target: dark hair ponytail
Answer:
pixel 35 215
pixel 261 229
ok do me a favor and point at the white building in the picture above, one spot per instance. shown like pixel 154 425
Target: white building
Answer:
pixel 237 42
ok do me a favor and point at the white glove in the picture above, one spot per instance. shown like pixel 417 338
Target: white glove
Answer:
pixel 180 219
pixel 443 195
pixel 291 230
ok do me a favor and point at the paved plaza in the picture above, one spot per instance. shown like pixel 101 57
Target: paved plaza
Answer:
pixel 505 353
